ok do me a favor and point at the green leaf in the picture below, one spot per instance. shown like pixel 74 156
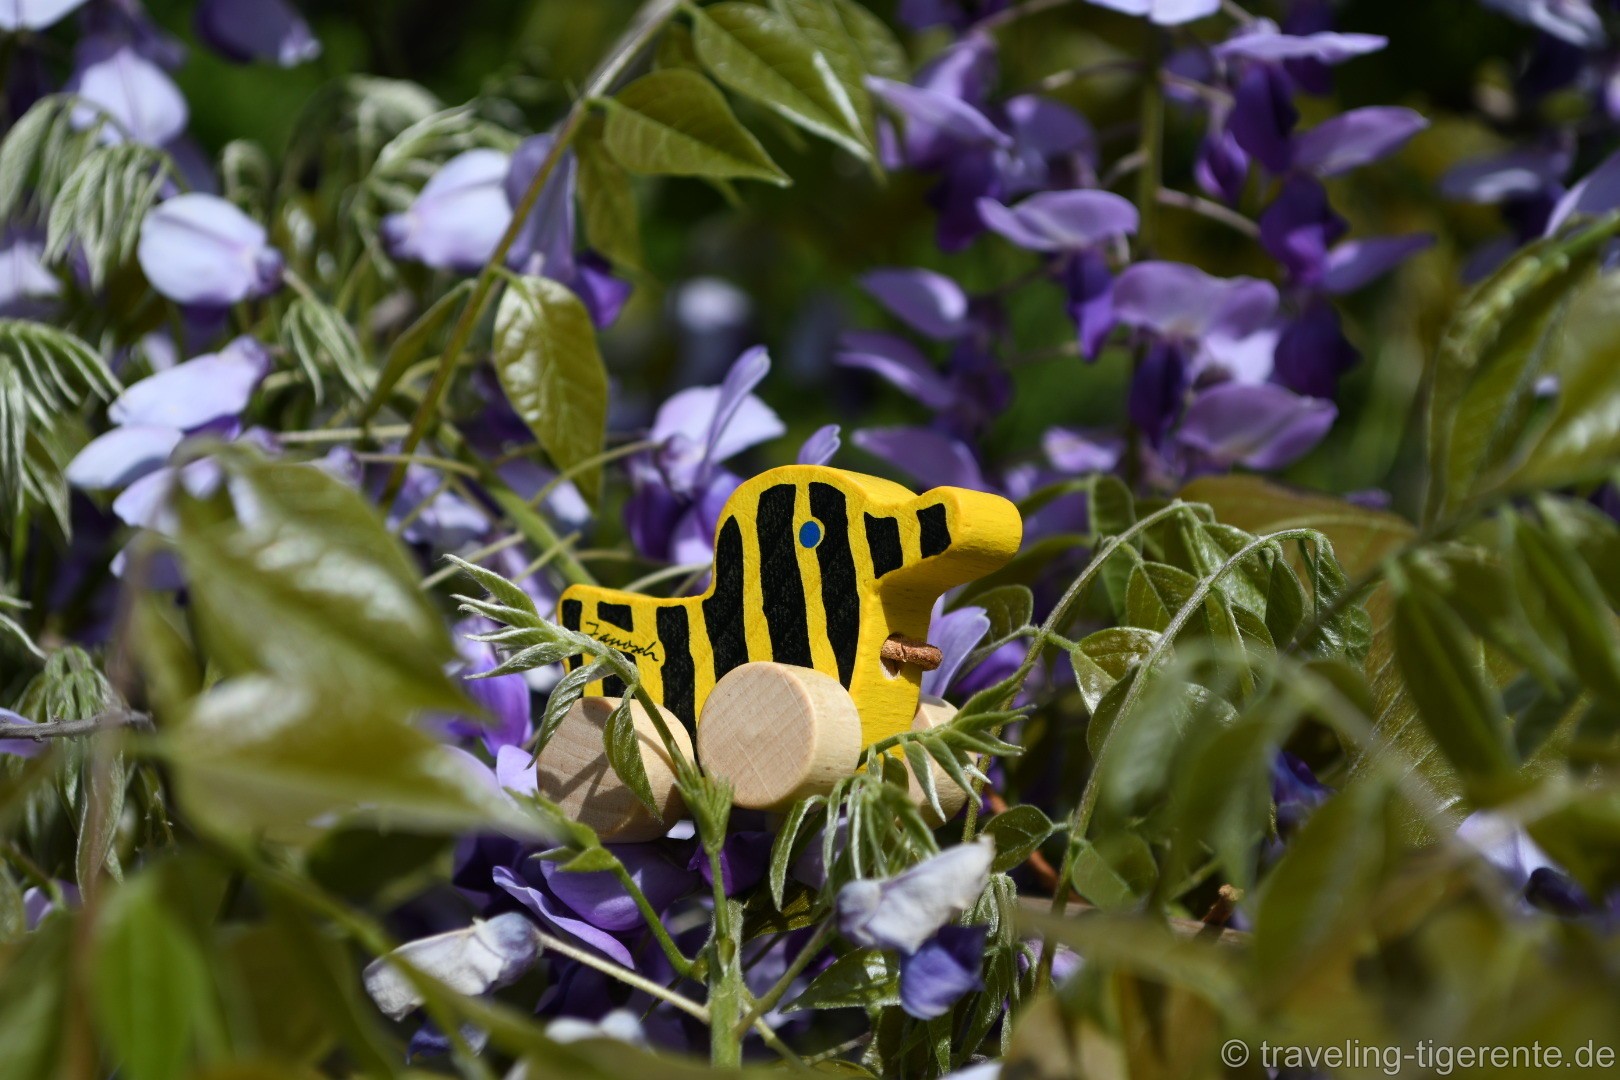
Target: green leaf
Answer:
pixel 99 211
pixel 675 123
pixel 151 983
pixel 321 341
pixel 1321 888
pixel 1155 593
pixel 829 28
pixel 45 374
pixel 623 740
pixel 313 589
pixel 34 984
pixel 1114 872
pixel 864 978
pixel 1018 832
pixel 1111 507
pixel 1573 599
pixel 547 359
pixel 259 754
pixel 100 814
pixel 410 346
pixel 783 847
pixel 881 53
pixel 764 56
pixel 1010 608
pixel 1445 677
pixel 1103 658
pixel 607 202
pixel 569 689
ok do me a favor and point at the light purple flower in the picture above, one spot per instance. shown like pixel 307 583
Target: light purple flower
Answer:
pixel 459 215
pixel 1597 193
pixel 821 446
pixel 934 118
pixel 935 977
pixel 704 426
pixel 956 634
pixel 600 899
pixel 116 81
pixel 201 250
pixel 904 911
pixel 1505 844
pixel 558 915
pixel 122 456
pixel 900 363
pixel 1263 117
pixel 1217 319
pixel 931 457
pixel 1298 228
pixel 545 245
pixel 34 14
pixel 1061 220
pixel 1354 263
pixel 23 748
pixel 927 301
pixel 1517 174
pixel 504 698
pixel 1081 452
pixel 1356 138
pixel 1164 12
pixel 1259 426
pixel 1574 21
pixel 250 31
pixel 1313 352
pixel 27 288
pixel 482 957
pixel 198 392
pixel 1267 45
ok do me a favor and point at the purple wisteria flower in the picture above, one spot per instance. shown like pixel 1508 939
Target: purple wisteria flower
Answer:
pixel 1164 12
pixel 200 250
pixel 459 215
pixel 256 31
pixel 680 488
pixel 115 81
pixel 476 960
pixel 27 288
pixel 35 14
pixel 911 913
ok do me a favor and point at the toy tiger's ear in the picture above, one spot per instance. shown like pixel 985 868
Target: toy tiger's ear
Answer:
pixel 963 534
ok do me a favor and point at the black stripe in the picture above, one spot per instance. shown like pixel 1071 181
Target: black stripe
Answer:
pixel 840 592
pixel 936 535
pixel 680 673
pixel 613 686
pixel 780 584
pixel 618 615
pixel 723 610
pixel 570 620
pixel 883 541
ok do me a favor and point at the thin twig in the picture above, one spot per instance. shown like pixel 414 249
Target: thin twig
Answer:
pixel 108 720
pixel 625 975
pixel 1214 211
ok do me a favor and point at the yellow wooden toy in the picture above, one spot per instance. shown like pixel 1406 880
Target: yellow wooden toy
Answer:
pixel 810 641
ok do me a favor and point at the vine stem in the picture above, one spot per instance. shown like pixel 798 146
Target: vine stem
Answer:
pixel 648 21
pixel 625 975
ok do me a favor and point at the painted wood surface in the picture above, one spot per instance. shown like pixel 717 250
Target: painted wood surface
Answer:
pixel 814 567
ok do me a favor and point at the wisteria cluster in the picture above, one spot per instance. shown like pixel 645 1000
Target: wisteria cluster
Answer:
pixel 298 451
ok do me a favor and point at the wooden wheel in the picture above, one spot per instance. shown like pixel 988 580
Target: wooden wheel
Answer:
pixel 778 733
pixel 932 712
pixel 574 772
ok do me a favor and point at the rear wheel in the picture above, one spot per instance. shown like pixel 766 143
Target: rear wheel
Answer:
pixel 574 773
pixel 778 733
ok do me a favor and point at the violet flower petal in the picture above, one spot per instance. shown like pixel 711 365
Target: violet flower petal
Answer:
pixel 115 80
pixel 927 301
pixel 459 216
pixel 27 287
pixel 1261 426
pixel 1354 263
pixel 1595 194
pixel 35 14
pixel 23 748
pixel 932 458
pixel 249 31
pixel 555 914
pixel 201 250
pixel 197 392
pixel 1263 117
pixel 600 899
pixel 1272 47
pixel 904 911
pixel 936 976
pixel 821 446
pixel 956 634
pixel 474 960
pixel 1517 174
pixel 1572 21
pixel 1356 138
pixel 1183 303
pixel 545 244
pixel 1298 228
pixel 1079 453
pixel 931 116
pixel 1164 12
pixel 1505 844
pixel 1061 220
pixel 1313 352
pixel 899 362
pixel 1090 285
pixel 121 456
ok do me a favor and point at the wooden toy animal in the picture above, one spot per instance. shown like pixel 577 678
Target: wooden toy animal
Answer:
pixel 808 645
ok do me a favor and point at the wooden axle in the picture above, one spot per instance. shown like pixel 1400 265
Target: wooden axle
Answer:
pixel 898 649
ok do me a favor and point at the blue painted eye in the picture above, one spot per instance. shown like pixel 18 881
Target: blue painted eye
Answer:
pixel 810 533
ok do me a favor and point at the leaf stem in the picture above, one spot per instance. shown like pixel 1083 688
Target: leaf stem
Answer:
pixel 648 21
